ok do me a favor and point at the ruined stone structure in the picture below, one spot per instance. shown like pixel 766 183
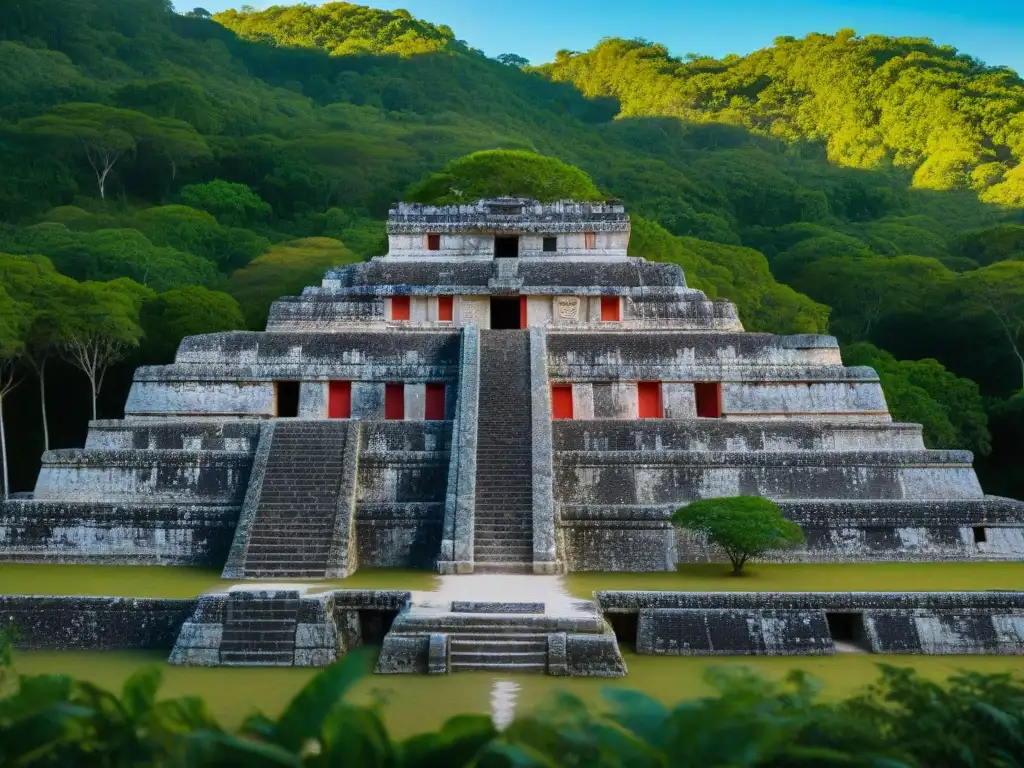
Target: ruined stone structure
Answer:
pixel 505 390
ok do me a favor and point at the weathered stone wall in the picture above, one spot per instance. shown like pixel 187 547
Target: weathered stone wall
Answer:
pixel 116 533
pixel 745 623
pixel 184 477
pixel 193 434
pixel 233 373
pixel 860 491
pixel 402 488
pixel 94 623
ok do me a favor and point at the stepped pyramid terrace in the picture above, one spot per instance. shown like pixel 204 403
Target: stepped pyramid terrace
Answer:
pixel 506 391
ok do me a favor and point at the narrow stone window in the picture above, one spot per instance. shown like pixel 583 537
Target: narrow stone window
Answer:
pixel 590 240
pixel 400 308
pixel 561 401
pixel 433 242
pixel 980 534
pixel 394 402
pixel 435 402
pixel 550 244
pixel 611 309
pixel 286 399
pixel 445 308
pixel 648 400
pixel 339 400
pixel 709 399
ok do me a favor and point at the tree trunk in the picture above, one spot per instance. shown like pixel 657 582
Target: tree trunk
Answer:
pixel 3 454
pixel 41 372
pixel 92 387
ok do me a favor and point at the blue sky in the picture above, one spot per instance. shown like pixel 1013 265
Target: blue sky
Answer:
pixel 992 31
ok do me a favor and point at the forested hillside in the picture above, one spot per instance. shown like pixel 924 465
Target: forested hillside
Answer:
pixel 170 174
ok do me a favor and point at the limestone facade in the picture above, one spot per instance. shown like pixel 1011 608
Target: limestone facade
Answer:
pixel 643 395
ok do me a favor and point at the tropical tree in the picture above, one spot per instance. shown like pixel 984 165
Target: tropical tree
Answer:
pixel 106 135
pixel 33 281
pixel 232 204
pixel 103 325
pixel 14 317
pixel 998 290
pixel 742 526
pixel 172 315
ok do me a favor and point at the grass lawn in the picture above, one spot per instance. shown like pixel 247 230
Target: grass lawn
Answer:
pixel 177 581
pixel 814 577
pixel 172 581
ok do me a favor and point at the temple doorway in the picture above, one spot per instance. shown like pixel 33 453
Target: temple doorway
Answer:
pixel 505 313
pixel 506 247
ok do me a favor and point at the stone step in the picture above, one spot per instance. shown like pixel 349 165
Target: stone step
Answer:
pixel 508 657
pixel 496 666
pixel 498 646
pixel 489 567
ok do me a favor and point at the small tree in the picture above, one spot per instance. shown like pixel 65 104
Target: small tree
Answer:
pixel 104 324
pixel 743 526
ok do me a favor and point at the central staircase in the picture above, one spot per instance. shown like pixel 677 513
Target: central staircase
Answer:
pixel 503 520
pixel 296 516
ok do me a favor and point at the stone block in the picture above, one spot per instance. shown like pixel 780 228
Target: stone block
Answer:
pixel 315 657
pixel 589 655
pixel 437 654
pixel 404 654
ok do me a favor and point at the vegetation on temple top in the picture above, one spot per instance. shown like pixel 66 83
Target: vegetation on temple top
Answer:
pixel 504 173
pixel 901 721
pixel 865 186
pixel 743 527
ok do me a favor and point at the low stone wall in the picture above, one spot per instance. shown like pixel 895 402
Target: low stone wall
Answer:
pixel 802 623
pixel 115 533
pixel 94 623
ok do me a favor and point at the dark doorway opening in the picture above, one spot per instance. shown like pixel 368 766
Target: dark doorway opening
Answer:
pixel 286 399
pixel 624 625
pixel 847 630
pixel 980 534
pixel 505 312
pixel 506 247
pixel 373 625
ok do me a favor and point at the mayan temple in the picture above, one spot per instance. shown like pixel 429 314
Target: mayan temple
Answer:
pixel 505 391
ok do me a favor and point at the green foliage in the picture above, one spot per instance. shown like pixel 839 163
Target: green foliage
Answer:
pixel 191 231
pixel 866 290
pixel 950 408
pixel 341 28
pixel 728 272
pixel 496 173
pixel 742 526
pixel 987 246
pixel 232 204
pixel 872 101
pixel 284 271
pixel 899 721
pixel 828 155
pixel 106 254
pixel 171 316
